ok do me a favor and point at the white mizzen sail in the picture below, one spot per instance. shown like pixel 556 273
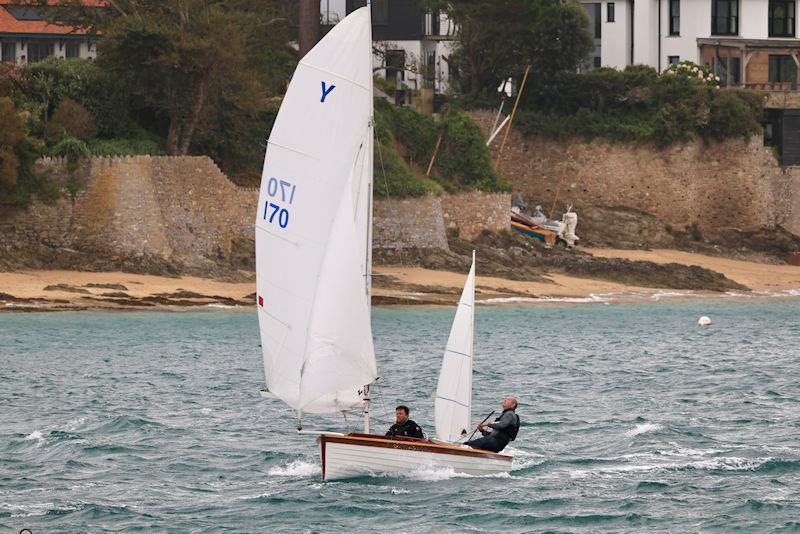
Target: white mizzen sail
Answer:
pixel 312 235
pixel 453 403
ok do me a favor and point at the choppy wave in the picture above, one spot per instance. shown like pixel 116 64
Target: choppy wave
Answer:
pixel 115 415
pixel 643 429
pixel 36 435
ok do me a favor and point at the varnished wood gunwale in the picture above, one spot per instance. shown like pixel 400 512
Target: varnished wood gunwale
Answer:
pixel 408 444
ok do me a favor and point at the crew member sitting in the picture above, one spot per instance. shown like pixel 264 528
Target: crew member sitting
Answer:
pixel 504 429
pixel 404 426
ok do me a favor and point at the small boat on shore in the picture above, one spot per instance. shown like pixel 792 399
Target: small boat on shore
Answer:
pixel 538 226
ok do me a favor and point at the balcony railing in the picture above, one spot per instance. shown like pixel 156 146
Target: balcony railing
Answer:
pixel 772 86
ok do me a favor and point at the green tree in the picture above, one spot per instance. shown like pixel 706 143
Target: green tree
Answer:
pixel 18 152
pixel 496 39
pixel 185 58
pixel 10 135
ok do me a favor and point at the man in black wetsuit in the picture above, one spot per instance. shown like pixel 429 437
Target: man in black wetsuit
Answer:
pixel 504 429
pixel 404 426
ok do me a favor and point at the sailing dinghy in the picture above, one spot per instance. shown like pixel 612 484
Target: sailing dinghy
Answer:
pixel 313 261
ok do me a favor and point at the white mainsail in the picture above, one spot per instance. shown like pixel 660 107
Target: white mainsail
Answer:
pixel 453 403
pixel 312 228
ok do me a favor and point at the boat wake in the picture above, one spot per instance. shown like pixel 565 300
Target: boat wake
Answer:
pixel 437 474
pixel 296 469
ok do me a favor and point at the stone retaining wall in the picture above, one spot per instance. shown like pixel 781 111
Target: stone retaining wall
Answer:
pixel 725 184
pixel 476 211
pixel 186 207
pixel 408 223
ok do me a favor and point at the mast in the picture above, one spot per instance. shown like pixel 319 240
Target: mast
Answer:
pixel 368 248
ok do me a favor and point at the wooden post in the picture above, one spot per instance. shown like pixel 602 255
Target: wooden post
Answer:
pixel 511 121
pixel 435 151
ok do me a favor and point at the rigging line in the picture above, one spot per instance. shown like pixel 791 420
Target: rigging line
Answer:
pixel 383 172
pixel 383 402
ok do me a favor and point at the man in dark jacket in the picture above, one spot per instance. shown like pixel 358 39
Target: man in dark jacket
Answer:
pixel 504 429
pixel 404 426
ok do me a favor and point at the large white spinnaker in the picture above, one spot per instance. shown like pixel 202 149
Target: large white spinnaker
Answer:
pixel 312 237
pixel 453 403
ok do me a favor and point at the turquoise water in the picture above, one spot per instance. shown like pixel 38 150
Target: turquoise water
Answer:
pixel 634 419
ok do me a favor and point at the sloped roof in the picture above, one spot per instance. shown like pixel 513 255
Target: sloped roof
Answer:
pixel 9 23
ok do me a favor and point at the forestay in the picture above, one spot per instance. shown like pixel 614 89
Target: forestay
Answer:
pixel 453 402
pixel 312 228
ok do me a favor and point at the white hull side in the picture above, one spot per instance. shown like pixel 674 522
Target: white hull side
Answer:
pixel 345 460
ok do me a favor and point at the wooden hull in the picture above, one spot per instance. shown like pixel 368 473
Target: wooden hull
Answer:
pixel 361 454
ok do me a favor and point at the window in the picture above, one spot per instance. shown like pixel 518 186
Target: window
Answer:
pixel 380 12
pixel 595 18
pixel 9 52
pixel 395 65
pixel 782 69
pixel 724 17
pixel 37 51
pixel 674 17
pixel 729 70
pixel 671 60
pixel 597 62
pixel 610 12
pixel 781 18
pixel 73 50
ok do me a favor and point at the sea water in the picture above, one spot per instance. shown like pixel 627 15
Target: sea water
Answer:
pixel 633 419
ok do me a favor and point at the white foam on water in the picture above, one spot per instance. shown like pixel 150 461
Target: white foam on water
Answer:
pixel 670 294
pixel 541 300
pixel 400 491
pixel 642 429
pixel 436 474
pixel 523 459
pixel 763 293
pixel 729 463
pixel 296 469
pixel 723 463
pixel 429 474
pixel 34 509
pixel 257 496
pixel 74 424
pixel 217 305
pixel 37 435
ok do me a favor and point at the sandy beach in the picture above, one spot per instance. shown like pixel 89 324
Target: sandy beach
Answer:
pixel 65 290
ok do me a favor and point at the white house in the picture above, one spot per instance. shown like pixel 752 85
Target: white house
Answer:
pixel 746 42
pixel 414 46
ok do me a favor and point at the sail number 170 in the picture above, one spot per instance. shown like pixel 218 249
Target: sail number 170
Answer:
pixel 278 190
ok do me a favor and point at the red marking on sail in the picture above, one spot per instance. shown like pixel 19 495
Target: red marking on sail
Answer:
pixel 261 301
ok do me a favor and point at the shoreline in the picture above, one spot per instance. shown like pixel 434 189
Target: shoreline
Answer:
pixel 392 285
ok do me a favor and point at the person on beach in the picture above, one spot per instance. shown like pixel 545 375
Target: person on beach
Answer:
pixel 404 426
pixel 498 434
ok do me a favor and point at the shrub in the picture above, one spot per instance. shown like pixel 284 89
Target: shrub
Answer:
pixel 124 147
pixel 104 96
pixel 18 153
pixel 392 175
pixel 463 158
pixel 72 118
pixel 637 104
pixel 418 132
pixel 694 72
